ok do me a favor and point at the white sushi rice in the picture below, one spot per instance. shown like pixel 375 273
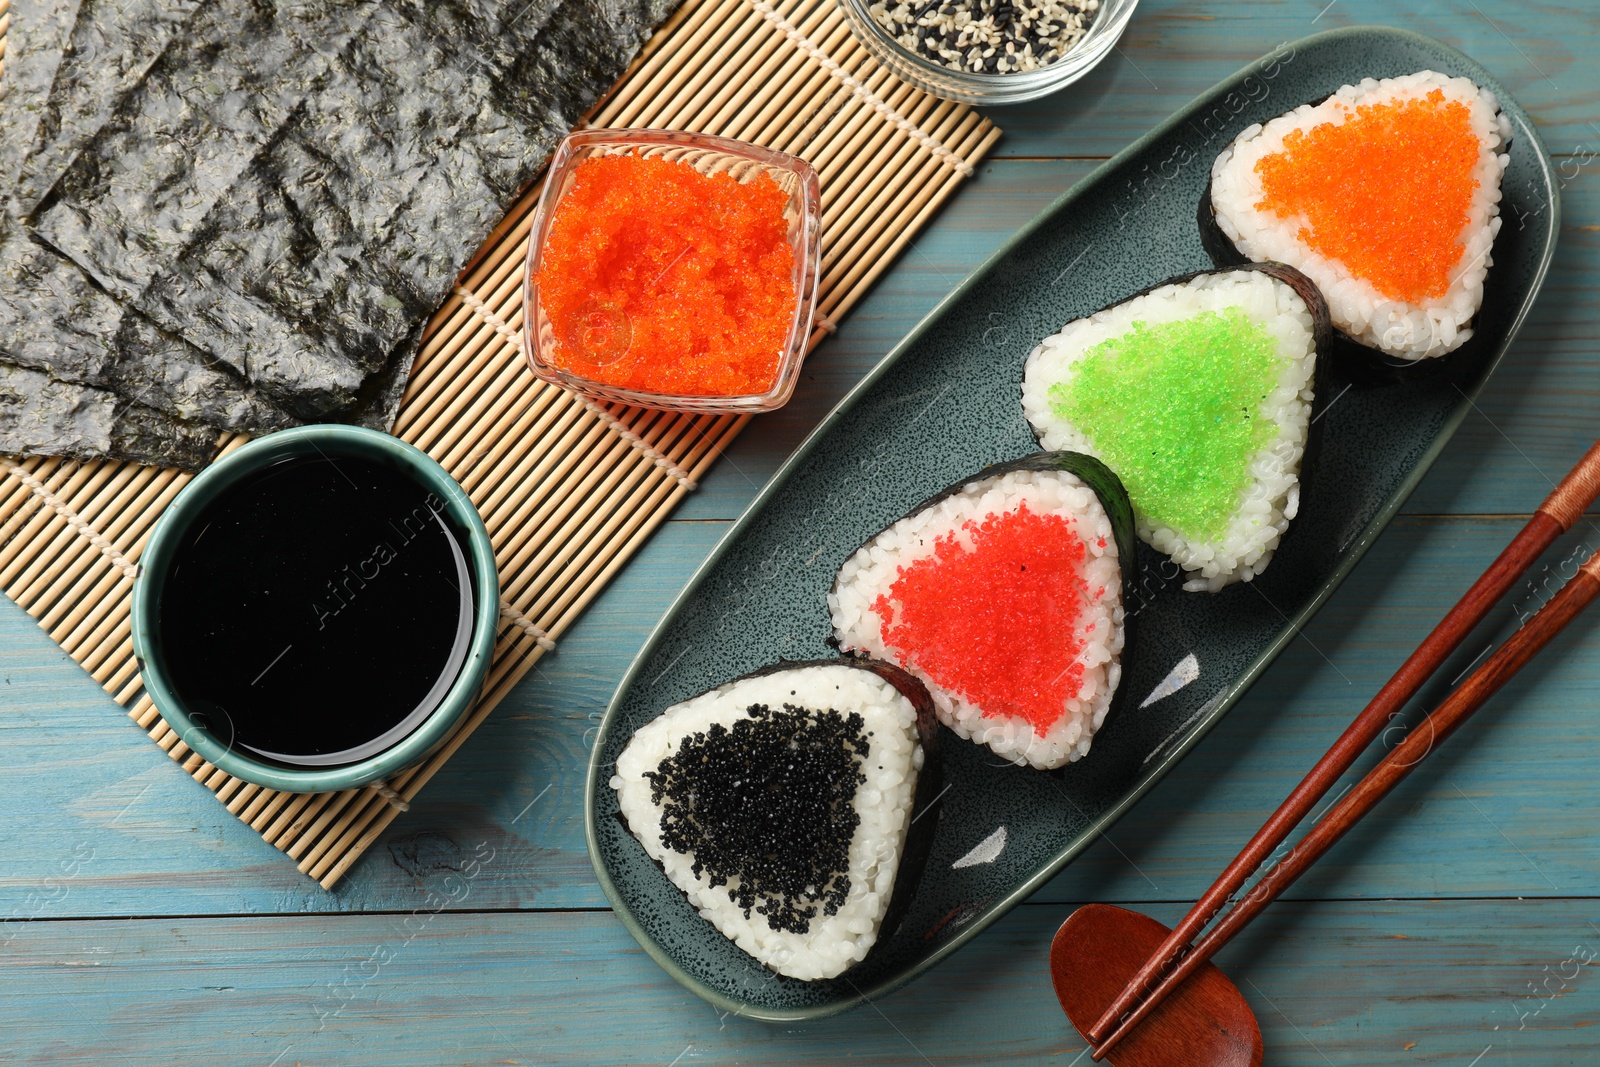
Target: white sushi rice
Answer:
pixel 1401 329
pixel 873 569
pixel 1272 497
pixel 883 802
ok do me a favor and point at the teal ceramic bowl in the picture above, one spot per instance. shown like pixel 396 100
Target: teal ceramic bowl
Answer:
pixel 156 564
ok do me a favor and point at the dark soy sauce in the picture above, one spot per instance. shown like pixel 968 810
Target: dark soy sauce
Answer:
pixel 318 611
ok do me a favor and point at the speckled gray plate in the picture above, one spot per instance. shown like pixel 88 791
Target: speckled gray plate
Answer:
pixel 943 404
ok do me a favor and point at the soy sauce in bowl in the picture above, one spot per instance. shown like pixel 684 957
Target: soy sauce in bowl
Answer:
pixel 317 610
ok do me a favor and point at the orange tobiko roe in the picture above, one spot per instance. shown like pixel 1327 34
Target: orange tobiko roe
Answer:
pixel 999 622
pixel 658 278
pixel 1386 192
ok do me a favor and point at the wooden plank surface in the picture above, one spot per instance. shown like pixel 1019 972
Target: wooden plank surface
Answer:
pixel 149 926
pixel 1430 983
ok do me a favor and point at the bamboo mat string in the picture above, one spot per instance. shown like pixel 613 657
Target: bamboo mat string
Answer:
pixel 872 99
pixel 678 474
pixel 527 626
pixel 569 489
pixel 499 325
pixel 384 790
pixel 513 339
pixel 128 568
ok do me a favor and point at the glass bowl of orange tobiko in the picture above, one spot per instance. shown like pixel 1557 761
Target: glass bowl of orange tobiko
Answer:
pixel 673 270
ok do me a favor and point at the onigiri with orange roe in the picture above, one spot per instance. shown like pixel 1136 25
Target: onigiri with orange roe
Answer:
pixel 1387 194
pixel 1004 596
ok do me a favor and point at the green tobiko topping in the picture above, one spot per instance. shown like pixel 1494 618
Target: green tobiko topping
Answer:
pixel 1176 410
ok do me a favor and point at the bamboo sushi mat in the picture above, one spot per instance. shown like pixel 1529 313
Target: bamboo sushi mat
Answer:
pixel 569 489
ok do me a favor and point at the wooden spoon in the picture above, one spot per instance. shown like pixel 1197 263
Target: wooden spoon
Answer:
pixel 1205 1021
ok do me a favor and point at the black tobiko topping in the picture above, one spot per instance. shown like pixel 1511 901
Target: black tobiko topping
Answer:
pixel 768 802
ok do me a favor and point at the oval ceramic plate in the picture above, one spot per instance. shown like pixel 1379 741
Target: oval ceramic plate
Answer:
pixel 945 403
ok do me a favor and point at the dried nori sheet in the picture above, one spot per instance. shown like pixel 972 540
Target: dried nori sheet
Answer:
pixel 40 416
pixel 258 227
pixel 54 319
pixel 35 40
pixel 363 208
pixel 111 47
pixel 123 209
pixel 357 212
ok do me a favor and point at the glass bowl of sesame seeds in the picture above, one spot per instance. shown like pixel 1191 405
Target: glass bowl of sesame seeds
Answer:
pixel 989 51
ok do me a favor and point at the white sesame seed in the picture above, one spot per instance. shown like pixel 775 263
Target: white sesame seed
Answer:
pixel 963 34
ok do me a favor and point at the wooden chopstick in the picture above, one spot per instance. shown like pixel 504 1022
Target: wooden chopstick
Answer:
pixel 1472 694
pixel 1554 517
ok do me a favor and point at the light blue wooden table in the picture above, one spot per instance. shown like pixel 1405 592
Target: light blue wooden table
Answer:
pixel 1455 926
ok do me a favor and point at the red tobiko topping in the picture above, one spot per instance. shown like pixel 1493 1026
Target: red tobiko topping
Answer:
pixel 999 623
